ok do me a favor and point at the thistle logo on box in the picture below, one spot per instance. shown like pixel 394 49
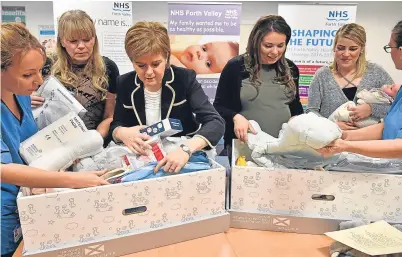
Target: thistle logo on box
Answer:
pixel 94 249
pixel 281 222
pixel 97 250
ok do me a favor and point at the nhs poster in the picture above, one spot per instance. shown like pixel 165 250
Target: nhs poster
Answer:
pixel 313 34
pixel 204 37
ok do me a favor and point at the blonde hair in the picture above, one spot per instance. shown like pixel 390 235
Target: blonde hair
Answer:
pixel 73 25
pixel 357 34
pixel 17 40
pixel 147 38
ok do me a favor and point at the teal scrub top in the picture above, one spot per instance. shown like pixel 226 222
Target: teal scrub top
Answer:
pixel 13 132
pixel 393 120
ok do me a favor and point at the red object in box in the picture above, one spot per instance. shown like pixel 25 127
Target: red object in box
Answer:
pixel 157 152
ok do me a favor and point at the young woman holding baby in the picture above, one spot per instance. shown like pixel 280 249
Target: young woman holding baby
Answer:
pixel 348 74
pixel 382 140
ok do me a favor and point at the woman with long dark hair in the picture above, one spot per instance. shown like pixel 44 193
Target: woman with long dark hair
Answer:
pixel 261 84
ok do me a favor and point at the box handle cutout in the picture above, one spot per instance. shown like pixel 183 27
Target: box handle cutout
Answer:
pixel 135 210
pixel 323 197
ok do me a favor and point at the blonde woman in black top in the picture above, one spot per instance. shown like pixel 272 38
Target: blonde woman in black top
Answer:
pixel 90 77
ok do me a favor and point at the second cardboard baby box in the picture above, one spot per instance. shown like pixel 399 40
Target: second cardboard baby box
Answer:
pixel 309 201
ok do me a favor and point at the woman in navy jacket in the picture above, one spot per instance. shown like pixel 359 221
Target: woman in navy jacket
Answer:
pixel 157 91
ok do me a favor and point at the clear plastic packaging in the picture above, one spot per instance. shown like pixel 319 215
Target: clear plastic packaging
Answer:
pixel 351 162
pixel 58 103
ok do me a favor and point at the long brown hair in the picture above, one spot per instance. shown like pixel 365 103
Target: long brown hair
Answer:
pixel 252 57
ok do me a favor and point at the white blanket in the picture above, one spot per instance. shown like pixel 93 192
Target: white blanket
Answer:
pixel 296 144
pixel 373 96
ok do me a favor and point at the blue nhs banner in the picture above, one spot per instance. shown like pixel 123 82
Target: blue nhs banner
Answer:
pixel 338 16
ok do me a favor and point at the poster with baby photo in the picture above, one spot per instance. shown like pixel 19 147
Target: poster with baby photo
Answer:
pixel 204 37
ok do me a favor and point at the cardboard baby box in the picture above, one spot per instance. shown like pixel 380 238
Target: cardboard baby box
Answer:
pixel 309 201
pixel 124 218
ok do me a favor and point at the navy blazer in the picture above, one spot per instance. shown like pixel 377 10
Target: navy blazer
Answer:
pixel 182 98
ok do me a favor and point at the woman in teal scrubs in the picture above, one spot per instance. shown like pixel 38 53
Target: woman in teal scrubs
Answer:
pixel 22 58
pixel 382 140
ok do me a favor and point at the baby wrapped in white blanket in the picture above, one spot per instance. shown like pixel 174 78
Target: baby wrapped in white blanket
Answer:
pixel 385 95
pixel 296 144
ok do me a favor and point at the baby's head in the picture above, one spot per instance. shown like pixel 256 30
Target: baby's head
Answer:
pixel 391 90
pixel 210 57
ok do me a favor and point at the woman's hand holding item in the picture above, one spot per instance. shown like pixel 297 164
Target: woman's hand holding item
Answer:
pixel 360 112
pixel 241 127
pixel 36 101
pixel 133 139
pixel 337 146
pixel 86 179
pixel 346 125
pixel 173 161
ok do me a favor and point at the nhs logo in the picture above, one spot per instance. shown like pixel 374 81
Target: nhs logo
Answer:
pixel 121 7
pixel 338 16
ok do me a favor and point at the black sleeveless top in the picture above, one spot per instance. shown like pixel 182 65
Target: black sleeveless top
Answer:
pixel 350 92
